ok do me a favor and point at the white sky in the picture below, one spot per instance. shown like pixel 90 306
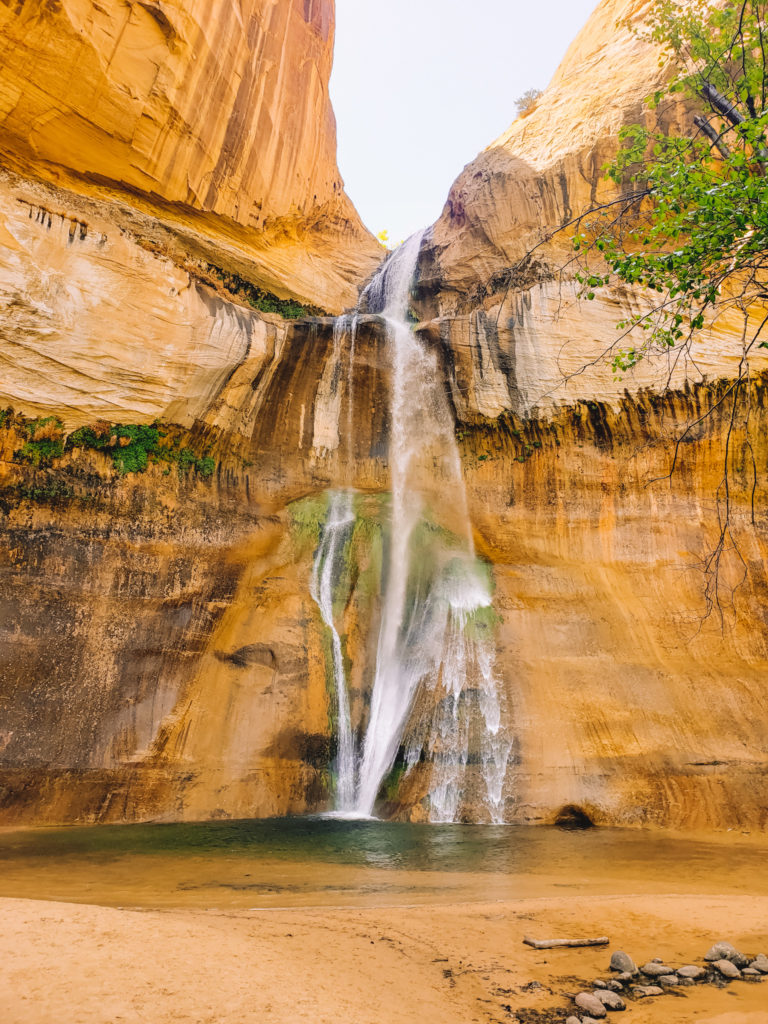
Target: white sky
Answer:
pixel 421 86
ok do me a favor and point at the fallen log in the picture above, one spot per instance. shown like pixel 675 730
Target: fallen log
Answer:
pixel 558 943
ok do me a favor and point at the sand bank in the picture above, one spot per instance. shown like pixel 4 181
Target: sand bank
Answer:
pixel 71 964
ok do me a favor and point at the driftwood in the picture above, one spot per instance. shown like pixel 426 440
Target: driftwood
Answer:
pixel 557 943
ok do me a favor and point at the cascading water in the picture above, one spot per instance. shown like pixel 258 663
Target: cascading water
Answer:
pixel 434 688
pixel 338 524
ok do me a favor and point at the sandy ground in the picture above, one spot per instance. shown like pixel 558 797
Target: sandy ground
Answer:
pixel 71 964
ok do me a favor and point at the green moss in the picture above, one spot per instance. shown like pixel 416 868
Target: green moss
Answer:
pixel 51 491
pixel 306 519
pixel 482 622
pixel 266 302
pixel 45 441
pixel 391 784
pixel 205 466
pixel 132 445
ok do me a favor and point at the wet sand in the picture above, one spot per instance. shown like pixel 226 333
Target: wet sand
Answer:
pixel 75 964
pixel 317 922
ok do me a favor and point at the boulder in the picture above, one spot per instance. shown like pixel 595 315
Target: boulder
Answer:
pixel 621 961
pixel 692 971
pixel 642 991
pixel 725 951
pixel 727 969
pixel 655 969
pixel 610 1000
pixel 588 1001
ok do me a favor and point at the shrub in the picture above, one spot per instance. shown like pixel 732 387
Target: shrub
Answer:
pixel 527 103
pixel 45 441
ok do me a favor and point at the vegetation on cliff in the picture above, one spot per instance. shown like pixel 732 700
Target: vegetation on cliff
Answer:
pixel 130 446
pixel 691 222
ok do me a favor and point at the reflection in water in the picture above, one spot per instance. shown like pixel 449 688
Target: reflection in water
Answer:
pixel 336 862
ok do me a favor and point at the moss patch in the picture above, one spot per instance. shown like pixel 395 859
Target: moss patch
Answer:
pixel 131 446
pixel 265 302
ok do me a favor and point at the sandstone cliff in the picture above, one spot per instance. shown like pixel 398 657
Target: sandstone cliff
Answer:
pixel 211 120
pixel 161 655
pixel 497 284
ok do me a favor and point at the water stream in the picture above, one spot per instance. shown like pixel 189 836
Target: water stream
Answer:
pixel 435 698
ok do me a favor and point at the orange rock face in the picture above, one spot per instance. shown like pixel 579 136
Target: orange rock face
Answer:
pixel 497 273
pixel 214 117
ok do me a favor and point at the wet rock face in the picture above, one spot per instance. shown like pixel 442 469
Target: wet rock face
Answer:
pixel 162 654
pixel 213 117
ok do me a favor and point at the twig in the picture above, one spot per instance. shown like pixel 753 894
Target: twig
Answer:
pixel 569 943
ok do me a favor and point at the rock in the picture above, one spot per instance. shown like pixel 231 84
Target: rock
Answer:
pixel 610 1000
pixel 656 969
pixel 572 1020
pixel 750 972
pixel 621 961
pixel 236 79
pixel 725 951
pixel 727 969
pixel 642 991
pixel 760 963
pixel 626 976
pixel 669 979
pixel 589 1002
pixel 614 986
pixel 691 971
pixel 686 981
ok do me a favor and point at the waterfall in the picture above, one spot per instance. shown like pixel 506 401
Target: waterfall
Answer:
pixel 338 524
pixel 435 693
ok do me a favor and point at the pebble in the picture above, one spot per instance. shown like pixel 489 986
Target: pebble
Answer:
pixel 750 972
pixel 727 969
pixel 669 979
pixel 589 1002
pixel 641 991
pixel 691 971
pixel 655 969
pixel 725 951
pixel 610 1000
pixel 621 961
pixel 760 963
pixel 572 1020
pixel 626 975
pixel 614 986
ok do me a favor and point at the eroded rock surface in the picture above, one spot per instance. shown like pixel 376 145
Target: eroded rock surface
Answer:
pixel 497 276
pixel 212 118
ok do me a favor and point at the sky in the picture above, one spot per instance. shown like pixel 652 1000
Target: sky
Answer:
pixel 420 87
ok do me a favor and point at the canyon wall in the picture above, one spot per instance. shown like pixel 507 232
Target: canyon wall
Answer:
pixel 497 282
pixel 210 120
pixel 161 656
pixel 156 155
